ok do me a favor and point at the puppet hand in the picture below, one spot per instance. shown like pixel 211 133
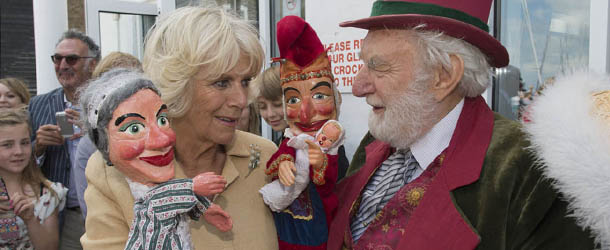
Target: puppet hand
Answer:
pixel 286 173
pixel 316 156
pixel 208 183
pixel 23 205
pixel 218 218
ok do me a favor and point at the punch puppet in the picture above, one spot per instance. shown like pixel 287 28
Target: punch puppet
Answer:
pixel 303 169
pixel 127 121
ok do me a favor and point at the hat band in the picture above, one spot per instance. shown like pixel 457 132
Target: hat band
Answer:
pixel 305 76
pixel 381 8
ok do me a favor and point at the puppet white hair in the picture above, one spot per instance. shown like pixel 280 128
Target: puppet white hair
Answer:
pixel 101 97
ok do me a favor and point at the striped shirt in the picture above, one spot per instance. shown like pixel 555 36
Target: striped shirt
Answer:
pixel 160 216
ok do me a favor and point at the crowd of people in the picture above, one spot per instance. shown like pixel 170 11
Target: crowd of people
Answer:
pixel 167 154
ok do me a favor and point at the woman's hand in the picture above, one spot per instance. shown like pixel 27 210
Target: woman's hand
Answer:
pixel 316 156
pixel 286 173
pixel 208 183
pixel 218 218
pixel 23 204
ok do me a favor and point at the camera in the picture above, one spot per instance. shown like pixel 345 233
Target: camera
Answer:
pixel 67 130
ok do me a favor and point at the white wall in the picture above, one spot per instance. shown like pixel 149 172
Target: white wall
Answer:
pixel 50 21
pixel 325 21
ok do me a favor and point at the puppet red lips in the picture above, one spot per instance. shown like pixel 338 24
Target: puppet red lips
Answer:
pixel 315 126
pixel 160 160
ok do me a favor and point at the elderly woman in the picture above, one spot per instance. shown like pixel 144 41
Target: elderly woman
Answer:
pixel 202 61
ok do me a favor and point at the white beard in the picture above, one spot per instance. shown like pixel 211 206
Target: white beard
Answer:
pixel 406 118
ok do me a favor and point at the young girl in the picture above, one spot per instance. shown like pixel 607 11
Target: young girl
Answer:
pixel 29 203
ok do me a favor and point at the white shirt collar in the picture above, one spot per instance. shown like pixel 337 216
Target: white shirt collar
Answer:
pixel 429 146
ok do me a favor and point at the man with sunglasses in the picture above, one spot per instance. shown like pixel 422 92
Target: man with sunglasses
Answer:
pixel 75 57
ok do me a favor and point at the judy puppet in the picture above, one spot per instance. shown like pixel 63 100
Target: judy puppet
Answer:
pixel 126 119
pixel 310 100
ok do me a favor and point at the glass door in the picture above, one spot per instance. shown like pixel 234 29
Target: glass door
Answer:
pixel 120 25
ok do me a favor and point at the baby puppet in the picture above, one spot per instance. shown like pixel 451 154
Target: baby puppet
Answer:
pixel 330 137
pixel 126 119
pixel 310 100
pixel 570 134
pixel 279 196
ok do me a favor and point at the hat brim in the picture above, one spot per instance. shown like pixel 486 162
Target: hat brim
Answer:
pixel 492 48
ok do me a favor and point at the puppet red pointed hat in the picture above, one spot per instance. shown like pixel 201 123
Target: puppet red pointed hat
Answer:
pixel 303 53
pixel 464 19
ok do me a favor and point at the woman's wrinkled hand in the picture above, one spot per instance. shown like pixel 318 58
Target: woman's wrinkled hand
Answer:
pixel 286 173
pixel 207 184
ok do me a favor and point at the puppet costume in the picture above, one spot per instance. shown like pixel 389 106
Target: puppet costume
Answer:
pixel 310 100
pixel 160 215
pixel 275 194
pixel 13 230
pixel 304 223
pixel 570 132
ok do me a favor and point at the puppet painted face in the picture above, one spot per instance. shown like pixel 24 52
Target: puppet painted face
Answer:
pixel 140 140
pixel 328 135
pixel 309 104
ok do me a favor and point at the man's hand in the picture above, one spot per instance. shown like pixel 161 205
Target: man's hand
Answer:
pixel 208 183
pixel 286 173
pixel 23 204
pixel 74 118
pixel 47 135
pixel 316 156
pixel 218 218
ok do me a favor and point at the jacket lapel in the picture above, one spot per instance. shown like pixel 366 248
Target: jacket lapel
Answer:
pixel 437 223
pixel 349 190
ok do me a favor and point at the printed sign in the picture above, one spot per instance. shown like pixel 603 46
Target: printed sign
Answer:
pixel 343 44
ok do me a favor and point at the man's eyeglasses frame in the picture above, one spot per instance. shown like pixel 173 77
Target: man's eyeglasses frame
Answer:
pixel 70 59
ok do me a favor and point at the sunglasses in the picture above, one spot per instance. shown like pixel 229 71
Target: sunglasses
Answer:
pixel 70 59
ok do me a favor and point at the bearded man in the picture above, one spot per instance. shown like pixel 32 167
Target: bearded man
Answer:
pixel 440 170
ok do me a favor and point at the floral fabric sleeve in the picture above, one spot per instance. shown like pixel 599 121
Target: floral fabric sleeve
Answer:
pixel 47 203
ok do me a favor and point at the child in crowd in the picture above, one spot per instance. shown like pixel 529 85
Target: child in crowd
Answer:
pixel 29 203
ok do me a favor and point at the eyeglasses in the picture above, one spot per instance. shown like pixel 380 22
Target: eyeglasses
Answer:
pixel 70 59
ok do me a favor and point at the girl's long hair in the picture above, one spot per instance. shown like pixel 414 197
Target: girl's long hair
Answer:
pixel 31 173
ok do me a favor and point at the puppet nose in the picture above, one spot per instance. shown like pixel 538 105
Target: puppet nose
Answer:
pixel 306 111
pixel 158 138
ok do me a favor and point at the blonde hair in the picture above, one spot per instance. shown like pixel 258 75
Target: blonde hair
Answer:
pixel 190 40
pixel 268 84
pixel 18 87
pixel 31 173
pixel 116 59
